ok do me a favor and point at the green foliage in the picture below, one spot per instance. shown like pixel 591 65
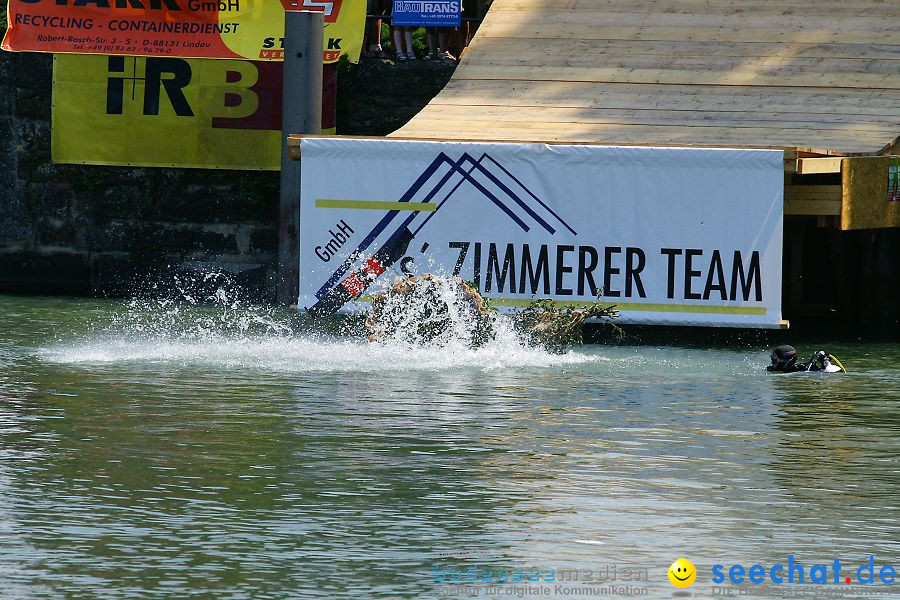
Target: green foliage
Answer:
pixel 3 4
pixel 556 328
pixel 420 40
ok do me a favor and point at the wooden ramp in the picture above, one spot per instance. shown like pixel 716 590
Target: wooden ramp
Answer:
pixel 816 77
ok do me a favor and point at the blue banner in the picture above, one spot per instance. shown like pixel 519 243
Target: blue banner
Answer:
pixel 427 13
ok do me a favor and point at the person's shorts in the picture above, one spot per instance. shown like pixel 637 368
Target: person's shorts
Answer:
pixel 377 7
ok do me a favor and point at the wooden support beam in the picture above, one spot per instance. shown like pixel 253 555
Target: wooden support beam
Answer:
pixel 815 200
pixel 293 143
pixel 812 166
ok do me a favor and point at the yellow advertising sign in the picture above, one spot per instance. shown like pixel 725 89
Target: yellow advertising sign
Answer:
pixel 345 22
pixel 227 29
pixel 170 112
pixel 871 192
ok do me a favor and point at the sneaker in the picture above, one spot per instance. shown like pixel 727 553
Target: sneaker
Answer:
pixel 411 55
pixel 445 55
pixel 401 57
pixel 428 56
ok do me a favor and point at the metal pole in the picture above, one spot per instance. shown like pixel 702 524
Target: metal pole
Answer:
pixel 301 112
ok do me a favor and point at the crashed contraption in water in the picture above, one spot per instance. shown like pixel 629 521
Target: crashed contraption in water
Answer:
pixel 434 310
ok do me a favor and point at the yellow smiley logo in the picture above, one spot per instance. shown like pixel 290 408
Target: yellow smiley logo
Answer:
pixel 682 573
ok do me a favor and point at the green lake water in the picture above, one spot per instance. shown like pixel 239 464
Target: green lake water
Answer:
pixel 163 451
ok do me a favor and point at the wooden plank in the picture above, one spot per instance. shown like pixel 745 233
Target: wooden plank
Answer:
pixel 680 5
pixel 823 193
pixel 695 27
pixel 748 76
pixel 605 47
pixel 851 104
pixel 574 120
pixel 810 166
pixel 699 19
pixel 615 138
pixel 880 96
pixel 636 134
pixel 812 207
pixel 800 7
pixel 740 108
pixel 539 30
pixel 812 199
pixel 785 67
pixel 882 127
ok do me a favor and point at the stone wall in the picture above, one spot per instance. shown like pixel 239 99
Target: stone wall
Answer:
pixel 108 231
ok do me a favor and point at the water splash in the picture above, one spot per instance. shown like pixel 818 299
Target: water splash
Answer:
pixel 436 311
pixel 207 323
pixel 210 305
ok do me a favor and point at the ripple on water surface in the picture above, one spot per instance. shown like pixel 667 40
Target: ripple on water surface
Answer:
pixel 175 449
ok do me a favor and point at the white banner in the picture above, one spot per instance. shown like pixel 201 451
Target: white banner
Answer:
pixel 670 235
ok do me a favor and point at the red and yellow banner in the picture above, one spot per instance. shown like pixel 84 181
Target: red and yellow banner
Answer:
pixel 172 112
pixel 242 29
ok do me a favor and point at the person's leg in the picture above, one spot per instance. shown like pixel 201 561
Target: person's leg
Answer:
pixel 410 53
pixel 368 41
pixel 442 43
pixel 433 50
pixel 453 37
pixel 398 44
pixel 376 37
pixel 373 31
pixel 381 10
pixel 469 11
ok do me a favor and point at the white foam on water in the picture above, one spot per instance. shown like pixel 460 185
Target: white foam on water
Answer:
pixel 299 354
pixel 215 330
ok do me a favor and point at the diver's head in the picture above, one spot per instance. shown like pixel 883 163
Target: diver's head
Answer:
pixel 783 356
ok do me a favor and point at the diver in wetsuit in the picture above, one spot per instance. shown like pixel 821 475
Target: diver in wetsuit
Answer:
pixel 784 360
